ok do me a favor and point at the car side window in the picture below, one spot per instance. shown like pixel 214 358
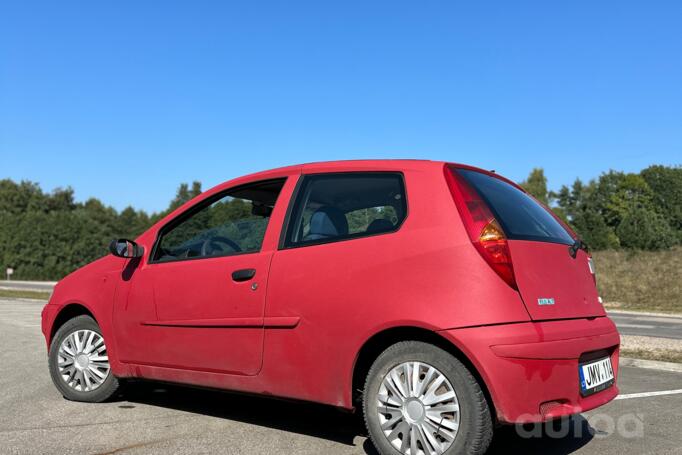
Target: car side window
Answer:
pixel 231 223
pixel 332 207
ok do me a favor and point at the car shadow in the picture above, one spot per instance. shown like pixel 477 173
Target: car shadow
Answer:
pixel 300 417
pixel 561 437
pixel 326 422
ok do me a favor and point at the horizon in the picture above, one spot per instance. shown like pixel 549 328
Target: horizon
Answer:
pixel 125 102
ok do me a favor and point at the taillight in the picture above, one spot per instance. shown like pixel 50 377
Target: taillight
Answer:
pixel 484 231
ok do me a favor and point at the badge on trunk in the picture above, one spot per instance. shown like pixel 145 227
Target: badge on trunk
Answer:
pixel 549 301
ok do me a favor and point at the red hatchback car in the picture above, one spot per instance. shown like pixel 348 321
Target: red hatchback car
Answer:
pixel 439 298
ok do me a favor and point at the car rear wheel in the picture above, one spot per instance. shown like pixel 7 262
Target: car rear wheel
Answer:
pixel 79 362
pixel 420 399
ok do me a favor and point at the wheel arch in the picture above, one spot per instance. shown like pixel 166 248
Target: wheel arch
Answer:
pixel 66 313
pixel 380 341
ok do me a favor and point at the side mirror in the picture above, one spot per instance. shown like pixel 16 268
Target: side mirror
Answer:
pixel 125 249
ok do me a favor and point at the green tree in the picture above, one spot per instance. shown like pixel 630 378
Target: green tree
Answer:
pixel 48 235
pixel 578 206
pixel 61 199
pixel 130 223
pixel 622 195
pixel 100 212
pixel 666 185
pixel 49 245
pixel 21 197
pixel 645 229
pixel 593 230
pixel 536 184
pixel 184 194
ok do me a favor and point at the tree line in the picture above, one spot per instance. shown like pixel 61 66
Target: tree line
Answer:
pixel 45 236
pixel 641 211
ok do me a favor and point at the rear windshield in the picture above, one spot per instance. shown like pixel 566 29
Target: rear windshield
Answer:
pixel 521 217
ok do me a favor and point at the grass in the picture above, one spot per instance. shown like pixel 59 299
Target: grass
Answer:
pixel 640 281
pixel 14 294
pixel 653 354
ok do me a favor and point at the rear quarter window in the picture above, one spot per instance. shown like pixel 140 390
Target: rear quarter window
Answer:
pixel 333 207
pixel 521 217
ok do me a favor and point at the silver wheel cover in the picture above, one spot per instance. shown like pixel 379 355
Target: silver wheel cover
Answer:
pixel 418 409
pixel 82 360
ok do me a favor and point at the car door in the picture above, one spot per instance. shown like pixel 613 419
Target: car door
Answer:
pixel 331 271
pixel 207 276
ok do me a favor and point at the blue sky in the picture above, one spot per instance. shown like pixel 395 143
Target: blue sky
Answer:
pixel 125 100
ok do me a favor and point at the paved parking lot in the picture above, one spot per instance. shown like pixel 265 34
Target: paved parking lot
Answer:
pixel 157 418
pixel 648 325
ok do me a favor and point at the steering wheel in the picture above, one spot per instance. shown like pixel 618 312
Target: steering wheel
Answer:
pixel 208 247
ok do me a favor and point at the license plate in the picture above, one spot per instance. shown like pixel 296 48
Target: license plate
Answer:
pixel 595 376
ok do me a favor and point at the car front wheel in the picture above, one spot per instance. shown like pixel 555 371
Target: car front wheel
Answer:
pixel 419 399
pixel 79 362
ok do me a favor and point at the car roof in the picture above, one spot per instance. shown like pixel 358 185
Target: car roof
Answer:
pixel 369 165
pixel 349 165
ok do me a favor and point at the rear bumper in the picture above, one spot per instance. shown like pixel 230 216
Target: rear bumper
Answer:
pixel 531 369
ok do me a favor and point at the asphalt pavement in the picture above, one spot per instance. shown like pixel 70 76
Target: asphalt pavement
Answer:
pixel 648 325
pixel 159 418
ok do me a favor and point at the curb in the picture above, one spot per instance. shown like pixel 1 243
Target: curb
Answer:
pixel 650 364
pixel 645 313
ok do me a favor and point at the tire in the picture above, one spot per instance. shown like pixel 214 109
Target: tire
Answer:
pixel 475 430
pixel 89 380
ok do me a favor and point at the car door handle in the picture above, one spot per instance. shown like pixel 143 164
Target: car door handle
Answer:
pixel 243 274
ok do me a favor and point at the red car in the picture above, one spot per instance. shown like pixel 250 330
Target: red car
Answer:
pixel 439 298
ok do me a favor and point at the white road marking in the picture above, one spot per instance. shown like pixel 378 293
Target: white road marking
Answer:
pixel 636 326
pixel 648 394
pixel 661 320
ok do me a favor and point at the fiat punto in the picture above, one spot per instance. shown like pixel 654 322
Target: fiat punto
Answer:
pixel 437 299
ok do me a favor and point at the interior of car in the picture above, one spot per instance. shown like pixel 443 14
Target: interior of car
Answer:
pixel 233 223
pixel 340 206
